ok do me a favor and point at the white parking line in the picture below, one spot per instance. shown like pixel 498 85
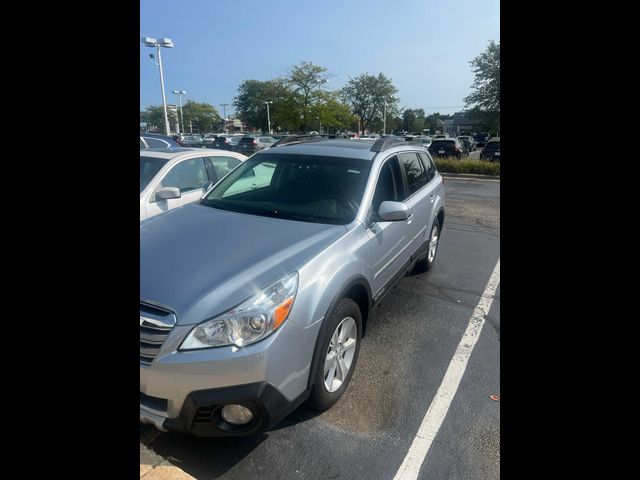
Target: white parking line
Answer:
pixel 439 407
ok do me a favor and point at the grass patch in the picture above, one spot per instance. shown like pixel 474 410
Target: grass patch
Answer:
pixel 466 165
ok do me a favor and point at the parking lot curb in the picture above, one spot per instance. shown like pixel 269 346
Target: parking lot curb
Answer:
pixel 470 175
pixel 154 467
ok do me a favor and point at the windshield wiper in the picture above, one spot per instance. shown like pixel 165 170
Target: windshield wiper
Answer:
pixel 260 211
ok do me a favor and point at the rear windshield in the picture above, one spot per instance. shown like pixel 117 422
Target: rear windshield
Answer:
pixel 492 146
pixel 306 188
pixel 246 140
pixel 443 143
pixel 149 167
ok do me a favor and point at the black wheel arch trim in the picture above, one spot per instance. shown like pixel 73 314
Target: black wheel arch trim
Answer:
pixel 345 287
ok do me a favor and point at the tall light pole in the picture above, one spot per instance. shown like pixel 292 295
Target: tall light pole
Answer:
pixel 384 120
pixel 319 83
pixel 224 114
pixel 166 43
pixel 180 93
pixel 268 117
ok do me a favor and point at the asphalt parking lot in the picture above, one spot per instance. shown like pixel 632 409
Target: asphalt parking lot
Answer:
pixel 410 343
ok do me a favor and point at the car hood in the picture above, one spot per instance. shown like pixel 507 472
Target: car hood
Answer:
pixel 199 261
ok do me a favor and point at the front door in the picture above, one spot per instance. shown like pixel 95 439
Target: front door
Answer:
pixel 389 240
pixel 189 176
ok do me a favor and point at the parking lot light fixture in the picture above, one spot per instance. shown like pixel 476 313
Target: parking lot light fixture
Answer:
pixel 180 93
pixel 165 43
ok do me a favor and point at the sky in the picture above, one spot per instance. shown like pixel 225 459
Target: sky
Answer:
pixel 424 46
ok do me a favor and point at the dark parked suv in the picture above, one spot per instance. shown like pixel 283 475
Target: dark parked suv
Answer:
pixel 491 150
pixel 250 144
pixel 446 147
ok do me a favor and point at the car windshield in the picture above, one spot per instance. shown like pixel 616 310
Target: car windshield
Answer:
pixel 307 188
pixel 149 167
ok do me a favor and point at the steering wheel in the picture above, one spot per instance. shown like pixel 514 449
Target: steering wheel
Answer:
pixel 348 204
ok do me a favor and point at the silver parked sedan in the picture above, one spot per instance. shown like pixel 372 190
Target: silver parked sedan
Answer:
pixel 171 178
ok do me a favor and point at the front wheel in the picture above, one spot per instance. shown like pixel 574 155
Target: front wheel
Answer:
pixel 425 264
pixel 337 355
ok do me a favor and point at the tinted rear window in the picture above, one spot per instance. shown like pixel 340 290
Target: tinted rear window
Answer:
pixel 246 140
pixel 492 146
pixel 443 144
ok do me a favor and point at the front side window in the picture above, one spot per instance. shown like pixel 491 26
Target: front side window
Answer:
pixel 187 175
pixel 149 167
pixel 416 174
pixel 307 188
pixel 390 186
pixel 223 165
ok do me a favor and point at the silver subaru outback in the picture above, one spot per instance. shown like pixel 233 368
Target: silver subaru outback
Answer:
pixel 256 298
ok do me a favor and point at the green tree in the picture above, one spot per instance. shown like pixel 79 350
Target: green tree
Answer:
pixel 483 104
pixel 154 116
pixel 333 113
pixel 408 117
pixel 251 108
pixel 201 115
pixel 305 80
pixel 366 95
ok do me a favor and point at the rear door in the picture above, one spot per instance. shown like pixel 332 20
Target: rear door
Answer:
pixel 189 176
pixel 433 191
pixel 417 199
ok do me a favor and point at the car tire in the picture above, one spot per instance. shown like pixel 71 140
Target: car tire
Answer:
pixel 425 264
pixel 346 316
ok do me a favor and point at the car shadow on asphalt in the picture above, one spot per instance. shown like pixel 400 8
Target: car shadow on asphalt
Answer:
pixel 212 457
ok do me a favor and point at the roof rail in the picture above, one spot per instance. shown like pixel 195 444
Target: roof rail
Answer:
pixel 386 143
pixel 297 139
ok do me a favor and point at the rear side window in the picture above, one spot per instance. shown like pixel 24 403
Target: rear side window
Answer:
pixel 431 168
pixel 157 143
pixel 416 174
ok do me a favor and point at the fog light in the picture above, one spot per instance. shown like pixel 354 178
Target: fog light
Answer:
pixel 236 414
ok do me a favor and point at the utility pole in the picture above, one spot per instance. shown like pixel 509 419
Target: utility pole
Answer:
pixel 268 117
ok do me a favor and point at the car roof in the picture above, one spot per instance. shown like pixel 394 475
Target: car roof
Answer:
pixel 346 148
pixel 169 153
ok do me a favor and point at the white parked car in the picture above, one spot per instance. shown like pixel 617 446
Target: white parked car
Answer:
pixel 172 178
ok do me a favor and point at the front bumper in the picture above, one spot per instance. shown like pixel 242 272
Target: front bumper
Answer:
pixel 270 377
pixel 201 411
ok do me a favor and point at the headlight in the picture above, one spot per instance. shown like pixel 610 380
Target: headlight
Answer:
pixel 255 319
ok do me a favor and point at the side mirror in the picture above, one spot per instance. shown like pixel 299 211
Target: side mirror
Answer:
pixel 207 186
pixel 166 193
pixel 393 211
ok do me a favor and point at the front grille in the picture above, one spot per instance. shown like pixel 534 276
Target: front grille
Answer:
pixel 155 326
